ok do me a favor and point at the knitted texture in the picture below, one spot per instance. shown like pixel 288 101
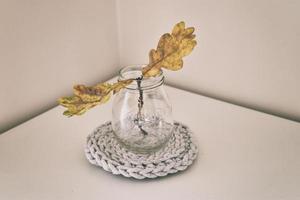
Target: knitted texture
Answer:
pixel 103 150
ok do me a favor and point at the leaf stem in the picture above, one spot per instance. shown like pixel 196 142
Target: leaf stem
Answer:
pixel 140 104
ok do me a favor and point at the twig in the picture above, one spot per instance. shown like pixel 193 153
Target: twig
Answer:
pixel 140 104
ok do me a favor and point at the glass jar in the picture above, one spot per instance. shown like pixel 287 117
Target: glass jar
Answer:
pixel 141 112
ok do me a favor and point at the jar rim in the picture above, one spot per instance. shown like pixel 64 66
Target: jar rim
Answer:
pixel 147 82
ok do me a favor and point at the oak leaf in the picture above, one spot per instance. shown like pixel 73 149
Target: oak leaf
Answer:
pixel 86 98
pixel 170 50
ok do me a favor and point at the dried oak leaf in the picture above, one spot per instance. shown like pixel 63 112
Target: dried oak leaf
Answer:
pixel 170 50
pixel 87 97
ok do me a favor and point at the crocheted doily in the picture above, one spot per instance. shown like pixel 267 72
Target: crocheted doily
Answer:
pixel 103 150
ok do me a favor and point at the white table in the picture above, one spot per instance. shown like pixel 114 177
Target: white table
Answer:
pixel 244 154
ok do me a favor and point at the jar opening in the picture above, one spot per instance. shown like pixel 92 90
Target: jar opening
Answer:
pixel 135 72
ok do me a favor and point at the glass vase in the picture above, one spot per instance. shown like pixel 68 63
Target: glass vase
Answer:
pixel 141 112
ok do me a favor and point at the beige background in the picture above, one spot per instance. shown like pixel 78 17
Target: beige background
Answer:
pixel 46 47
pixel 247 52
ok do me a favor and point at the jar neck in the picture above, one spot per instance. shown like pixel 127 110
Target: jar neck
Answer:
pixel 140 82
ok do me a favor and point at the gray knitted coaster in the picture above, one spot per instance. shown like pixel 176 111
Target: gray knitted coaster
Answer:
pixel 103 150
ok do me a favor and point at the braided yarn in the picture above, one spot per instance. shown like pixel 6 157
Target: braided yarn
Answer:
pixel 102 149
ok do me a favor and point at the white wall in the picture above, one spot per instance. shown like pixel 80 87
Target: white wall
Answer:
pixel 247 53
pixel 46 47
pixel 247 50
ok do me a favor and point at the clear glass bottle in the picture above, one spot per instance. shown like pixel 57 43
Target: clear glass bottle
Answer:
pixel 141 112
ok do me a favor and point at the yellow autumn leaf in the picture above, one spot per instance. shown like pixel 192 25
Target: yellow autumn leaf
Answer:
pixel 86 98
pixel 75 106
pixel 170 50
